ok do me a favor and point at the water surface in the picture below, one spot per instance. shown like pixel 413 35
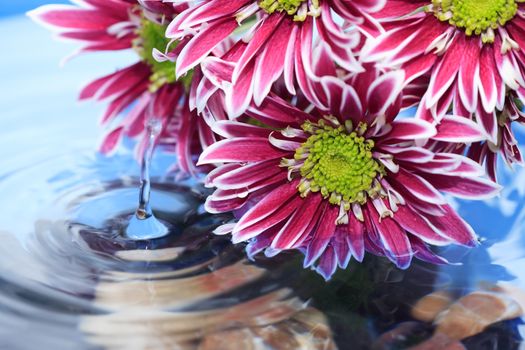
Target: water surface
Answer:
pixel 70 279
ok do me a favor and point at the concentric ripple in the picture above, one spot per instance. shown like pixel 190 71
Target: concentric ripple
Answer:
pixel 70 276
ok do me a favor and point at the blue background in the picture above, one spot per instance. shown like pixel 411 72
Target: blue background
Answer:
pixel 14 7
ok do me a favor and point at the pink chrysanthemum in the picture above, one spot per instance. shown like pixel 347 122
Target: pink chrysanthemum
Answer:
pixel 473 51
pixel 336 181
pixel 276 37
pixel 149 87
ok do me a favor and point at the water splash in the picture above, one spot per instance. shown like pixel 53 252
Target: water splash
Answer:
pixel 144 225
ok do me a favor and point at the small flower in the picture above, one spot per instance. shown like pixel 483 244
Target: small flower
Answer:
pixel 336 181
pixel 148 87
pixel 276 38
pixel 473 51
pixel 507 146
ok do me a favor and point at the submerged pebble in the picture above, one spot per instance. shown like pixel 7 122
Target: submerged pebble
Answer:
pixel 428 307
pixel 474 312
pixel 467 316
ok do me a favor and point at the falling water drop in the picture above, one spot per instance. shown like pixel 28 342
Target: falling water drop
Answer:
pixel 144 225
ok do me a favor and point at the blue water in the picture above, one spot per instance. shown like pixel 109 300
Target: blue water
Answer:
pixel 69 280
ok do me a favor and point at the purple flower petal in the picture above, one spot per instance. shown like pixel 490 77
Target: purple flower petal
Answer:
pixel 463 187
pixel 241 149
pixel 276 217
pixel 297 224
pixel 322 235
pixel 458 129
pixel 384 91
pixel 341 247
pixel 244 176
pixel 423 252
pixel 239 95
pixel 267 205
pixel 223 206
pixel 327 263
pixel 356 242
pixel 416 224
pixel 411 129
pixel 454 227
pixel 202 44
pixel 418 186
pixel 270 63
pixel 231 129
pixel 269 24
pixel 395 241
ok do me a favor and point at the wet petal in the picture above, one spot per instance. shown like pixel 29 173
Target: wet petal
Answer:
pixel 241 149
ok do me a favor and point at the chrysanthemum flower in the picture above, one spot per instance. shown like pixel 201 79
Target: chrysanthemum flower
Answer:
pixel 473 50
pixel 149 87
pixel 334 182
pixel 277 38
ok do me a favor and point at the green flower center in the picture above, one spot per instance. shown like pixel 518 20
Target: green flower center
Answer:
pixel 151 36
pixel 476 16
pixel 339 164
pixel 297 8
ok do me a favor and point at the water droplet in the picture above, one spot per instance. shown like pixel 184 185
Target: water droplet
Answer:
pixel 144 225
